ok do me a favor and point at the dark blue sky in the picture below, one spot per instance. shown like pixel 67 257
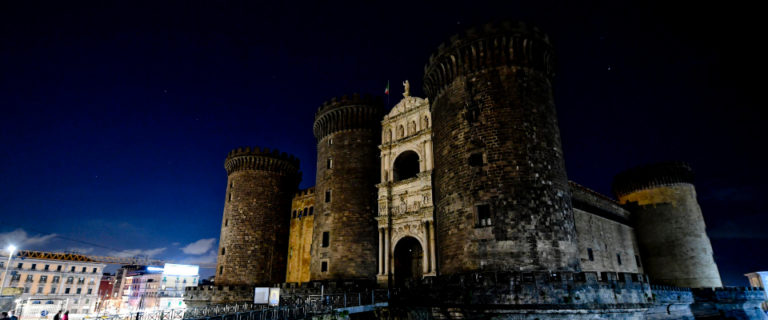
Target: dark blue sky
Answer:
pixel 116 116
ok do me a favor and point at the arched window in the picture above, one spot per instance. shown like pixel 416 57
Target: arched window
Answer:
pixel 406 166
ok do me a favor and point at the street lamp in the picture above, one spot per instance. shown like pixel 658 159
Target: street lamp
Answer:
pixel 11 249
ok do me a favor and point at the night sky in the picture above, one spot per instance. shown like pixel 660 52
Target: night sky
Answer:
pixel 116 116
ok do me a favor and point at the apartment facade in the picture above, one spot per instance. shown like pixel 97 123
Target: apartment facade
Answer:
pixel 53 284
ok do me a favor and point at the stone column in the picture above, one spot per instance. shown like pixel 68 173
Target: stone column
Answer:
pixel 432 255
pixel 427 250
pixel 428 154
pixel 381 252
pixel 386 250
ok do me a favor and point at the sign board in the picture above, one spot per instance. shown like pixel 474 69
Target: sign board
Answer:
pixel 261 296
pixel 12 291
pixel 274 297
pixel 180 269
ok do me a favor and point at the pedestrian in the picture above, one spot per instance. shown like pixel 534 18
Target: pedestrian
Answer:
pixel 65 316
pixel 58 315
pixel 4 316
pixel 12 316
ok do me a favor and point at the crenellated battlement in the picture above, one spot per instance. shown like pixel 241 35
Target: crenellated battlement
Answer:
pixel 495 44
pixel 651 176
pixel 348 112
pixel 255 158
pixel 306 192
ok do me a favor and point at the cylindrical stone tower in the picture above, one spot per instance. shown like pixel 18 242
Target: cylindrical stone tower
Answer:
pixel 344 243
pixel 501 194
pixel 254 230
pixel 669 225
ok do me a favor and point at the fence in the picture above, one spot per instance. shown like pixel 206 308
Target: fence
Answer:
pixel 294 306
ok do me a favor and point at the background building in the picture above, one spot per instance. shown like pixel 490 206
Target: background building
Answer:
pixel 52 285
pixel 106 286
pixel 157 288
pixel 759 279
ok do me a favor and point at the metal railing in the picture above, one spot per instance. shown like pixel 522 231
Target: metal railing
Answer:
pixel 296 306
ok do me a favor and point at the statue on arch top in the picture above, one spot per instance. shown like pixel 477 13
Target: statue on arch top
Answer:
pixel 407 89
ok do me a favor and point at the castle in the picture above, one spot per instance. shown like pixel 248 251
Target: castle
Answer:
pixel 463 198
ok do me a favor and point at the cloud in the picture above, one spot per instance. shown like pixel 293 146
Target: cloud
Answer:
pixel 199 247
pixel 137 252
pixel 81 250
pixel 22 240
pixel 208 259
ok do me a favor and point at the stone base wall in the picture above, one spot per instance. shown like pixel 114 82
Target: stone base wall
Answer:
pixel 729 303
pixel 670 303
pixel 203 296
pixel 397 313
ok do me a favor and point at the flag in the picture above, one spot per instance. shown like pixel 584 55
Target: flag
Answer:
pixel 386 90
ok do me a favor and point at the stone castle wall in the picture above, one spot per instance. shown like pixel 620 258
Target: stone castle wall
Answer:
pixel 669 225
pixel 300 236
pixel 254 228
pixel 606 238
pixel 497 153
pixel 348 133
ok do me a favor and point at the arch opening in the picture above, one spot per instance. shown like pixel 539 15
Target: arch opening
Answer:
pixel 408 261
pixel 406 166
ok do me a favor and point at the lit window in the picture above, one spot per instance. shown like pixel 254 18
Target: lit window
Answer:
pixel 483 215
pixel 329 163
